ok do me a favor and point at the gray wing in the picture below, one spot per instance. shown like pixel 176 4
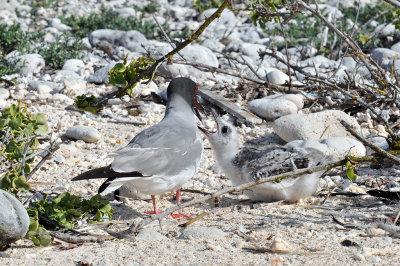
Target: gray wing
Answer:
pixel 159 149
pixel 263 163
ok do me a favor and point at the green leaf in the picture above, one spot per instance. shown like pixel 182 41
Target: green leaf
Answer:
pixel 41 129
pixel 14 110
pixel 40 118
pixel 119 67
pixel 350 171
pixel 19 183
pixel 15 123
pixel 364 39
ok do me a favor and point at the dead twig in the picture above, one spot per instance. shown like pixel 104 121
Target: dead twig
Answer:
pixel 358 99
pixel 53 148
pixel 151 69
pixel 74 239
pixel 277 178
pixel 392 229
pixel 394 3
pixel 230 73
pixel 372 146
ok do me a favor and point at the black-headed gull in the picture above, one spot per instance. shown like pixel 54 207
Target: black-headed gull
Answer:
pixel 162 157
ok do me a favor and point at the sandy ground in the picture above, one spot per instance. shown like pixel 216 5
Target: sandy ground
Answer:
pixel 245 231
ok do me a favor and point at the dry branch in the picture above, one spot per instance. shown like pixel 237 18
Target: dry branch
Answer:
pixel 151 69
pixel 372 146
pixel 377 73
pixel 277 178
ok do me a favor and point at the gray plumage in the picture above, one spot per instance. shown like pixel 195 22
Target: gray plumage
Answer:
pixel 249 164
pixel 162 157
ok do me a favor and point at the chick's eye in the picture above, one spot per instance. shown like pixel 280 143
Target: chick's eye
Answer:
pixel 224 129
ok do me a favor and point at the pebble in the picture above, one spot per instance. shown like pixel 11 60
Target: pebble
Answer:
pixel 277 77
pixel 73 65
pixel 279 245
pixel 149 235
pixel 275 106
pixel 333 149
pixel 85 133
pixel 14 219
pixel 30 63
pixel 319 125
pixel 208 233
pixel 4 94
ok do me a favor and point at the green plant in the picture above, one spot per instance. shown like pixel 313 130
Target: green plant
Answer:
pixel 262 11
pixel 108 19
pixel 7 68
pixel 56 53
pixel 36 4
pixel 150 8
pixel 121 76
pixel 18 129
pixel 202 5
pixel 36 232
pixel 12 37
pixel 66 210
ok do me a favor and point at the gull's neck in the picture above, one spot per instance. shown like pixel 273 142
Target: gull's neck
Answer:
pixel 178 108
pixel 226 153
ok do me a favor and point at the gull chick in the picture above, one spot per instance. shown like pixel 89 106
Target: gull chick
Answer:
pixel 162 157
pixel 249 164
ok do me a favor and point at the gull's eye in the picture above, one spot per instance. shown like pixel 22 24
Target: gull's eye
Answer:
pixel 224 129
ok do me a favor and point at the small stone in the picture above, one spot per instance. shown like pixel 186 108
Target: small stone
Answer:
pixel 73 65
pixel 14 220
pixel 271 108
pixel 85 133
pixel 213 247
pixel 371 232
pixel 381 131
pixel 203 233
pixel 277 77
pixel 319 125
pixel 30 63
pixel 279 245
pixel 4 94
pixel 149 235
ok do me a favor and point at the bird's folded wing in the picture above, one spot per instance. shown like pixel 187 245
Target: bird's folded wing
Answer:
pixel 104 172
pixel 263 163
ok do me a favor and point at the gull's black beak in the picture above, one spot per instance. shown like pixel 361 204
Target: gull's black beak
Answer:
pixel 197 107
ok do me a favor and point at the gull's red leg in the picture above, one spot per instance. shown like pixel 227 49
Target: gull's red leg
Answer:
pixel 180 216
pixel 153 198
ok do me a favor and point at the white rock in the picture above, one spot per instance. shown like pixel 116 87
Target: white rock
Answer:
pixel 381 142
pixel 319 61
pixel 271 109
pixel 200 54
pixel 384 57
pixel 61 98
pixel 85 133
pixel 56 23
pixel 277 77
pixel 279 245
pixel 4 94
pixel 396 47
pixel 74 86
pixel 14 220
pixel 174 70
pixel 73 65
pixel 31 63
pixel 203 233
pixel 381 130
pixel 149 235
pixel 333 149
pixel 314 126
